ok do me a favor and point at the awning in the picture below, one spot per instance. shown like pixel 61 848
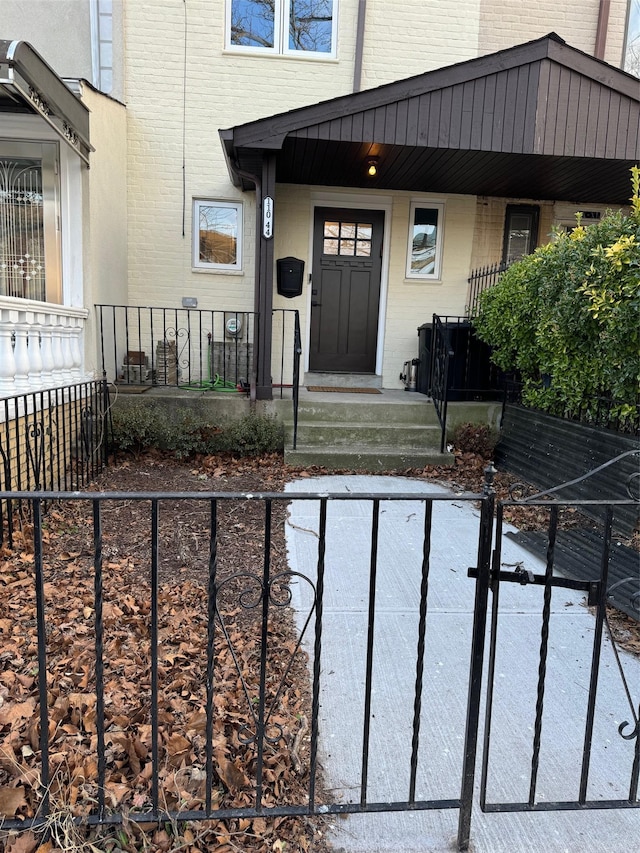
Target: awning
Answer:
pixel 28 84
pixel 540 120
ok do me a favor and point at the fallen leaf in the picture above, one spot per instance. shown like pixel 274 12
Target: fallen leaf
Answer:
pixel 11 799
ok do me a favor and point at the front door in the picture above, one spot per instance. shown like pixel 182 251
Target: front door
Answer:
pixel 345 296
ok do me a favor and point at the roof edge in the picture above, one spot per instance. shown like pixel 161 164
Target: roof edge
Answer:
pixel 551 46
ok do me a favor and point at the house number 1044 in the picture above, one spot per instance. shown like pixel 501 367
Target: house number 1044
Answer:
pixel 267 217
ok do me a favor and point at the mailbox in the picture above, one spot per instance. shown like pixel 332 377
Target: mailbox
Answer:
pixel 290 273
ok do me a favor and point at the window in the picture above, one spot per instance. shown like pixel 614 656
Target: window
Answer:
pixel 347 238
pixel 283 26
pixel 217 235
pixel 29 215
pixel 631 55
pixel 520 232
pixel 425 240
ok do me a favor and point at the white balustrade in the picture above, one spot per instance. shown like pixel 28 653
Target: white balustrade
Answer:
pixel 41 345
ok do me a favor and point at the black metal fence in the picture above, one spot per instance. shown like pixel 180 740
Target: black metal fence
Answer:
pixel 599 412
pixel 187 347
pixel 260 715
pixel 193 349
pixel 541 713
pixel 480 280
pixel 52 439
pixel 266 715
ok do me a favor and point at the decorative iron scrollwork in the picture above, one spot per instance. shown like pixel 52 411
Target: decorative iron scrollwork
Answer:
pixel 176 335
pixel 277 593
pixel 635 731
pixel 35 450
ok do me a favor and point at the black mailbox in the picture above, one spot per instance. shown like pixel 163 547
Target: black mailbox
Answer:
pixel 290 273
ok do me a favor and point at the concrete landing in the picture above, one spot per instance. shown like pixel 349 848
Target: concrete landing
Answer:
pixel 446 672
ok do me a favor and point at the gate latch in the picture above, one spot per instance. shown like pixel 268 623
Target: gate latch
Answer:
pixel 524 576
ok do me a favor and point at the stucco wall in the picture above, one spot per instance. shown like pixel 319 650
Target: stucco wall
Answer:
pixel 61 32
pixel 105 215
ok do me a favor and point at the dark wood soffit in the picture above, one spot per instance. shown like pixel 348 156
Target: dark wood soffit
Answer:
pixel 270 132
pixel 465 172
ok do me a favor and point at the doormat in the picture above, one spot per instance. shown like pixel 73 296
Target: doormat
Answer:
pixel 343 390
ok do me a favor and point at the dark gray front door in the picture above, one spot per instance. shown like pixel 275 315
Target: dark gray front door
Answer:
pixel 347 260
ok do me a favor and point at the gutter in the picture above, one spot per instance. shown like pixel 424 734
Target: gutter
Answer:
pixel 257 182
pixel 357 64
pixel 601 30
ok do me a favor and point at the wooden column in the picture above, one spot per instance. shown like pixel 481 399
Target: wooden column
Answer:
pixel 265 259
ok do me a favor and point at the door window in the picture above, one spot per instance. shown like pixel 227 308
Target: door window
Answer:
pixel 347 238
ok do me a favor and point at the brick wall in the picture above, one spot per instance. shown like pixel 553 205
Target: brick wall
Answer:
pixel 504 23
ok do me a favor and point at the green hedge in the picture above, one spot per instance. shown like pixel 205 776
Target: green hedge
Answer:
pixel 142 426
pixel 567 316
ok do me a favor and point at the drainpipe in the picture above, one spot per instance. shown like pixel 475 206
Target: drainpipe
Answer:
pixel 257 182
pixel 601 31
pixel 357 65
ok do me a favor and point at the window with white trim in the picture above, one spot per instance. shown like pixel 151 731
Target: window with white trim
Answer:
pixel 424 251
pixel 290 27
pixel 217 235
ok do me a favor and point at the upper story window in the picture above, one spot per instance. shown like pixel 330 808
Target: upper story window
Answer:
pixel 217 235
pixel 292 27
pixel 631 54
pixel 425 240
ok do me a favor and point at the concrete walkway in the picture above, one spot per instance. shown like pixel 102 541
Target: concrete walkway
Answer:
pixel 446 673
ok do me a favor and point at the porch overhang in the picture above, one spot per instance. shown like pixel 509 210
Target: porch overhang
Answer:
pixel 29 85
pixel 541 120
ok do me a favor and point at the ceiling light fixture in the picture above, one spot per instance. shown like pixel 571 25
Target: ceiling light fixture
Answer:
pixel 372 167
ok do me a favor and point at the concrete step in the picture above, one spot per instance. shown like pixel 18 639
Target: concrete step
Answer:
pixel 339 434
pixel 343 380
pixel 369 411
pixel 364 459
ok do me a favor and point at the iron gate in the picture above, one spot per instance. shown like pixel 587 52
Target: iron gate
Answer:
pixel 262 587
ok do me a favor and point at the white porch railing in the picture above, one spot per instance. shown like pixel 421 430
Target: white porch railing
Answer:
pixel 41 345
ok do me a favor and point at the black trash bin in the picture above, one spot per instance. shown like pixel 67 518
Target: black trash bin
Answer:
pixel 425 334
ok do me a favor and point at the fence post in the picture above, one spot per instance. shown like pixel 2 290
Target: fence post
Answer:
pixel 485 542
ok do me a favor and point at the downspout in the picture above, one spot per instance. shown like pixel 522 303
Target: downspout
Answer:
pixel 257 182
pixel 357 65
pixel 601 31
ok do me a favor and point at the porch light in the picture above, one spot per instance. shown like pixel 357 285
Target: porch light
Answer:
pixel 372 166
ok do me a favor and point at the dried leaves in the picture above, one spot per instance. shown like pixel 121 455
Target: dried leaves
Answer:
pixel 182 666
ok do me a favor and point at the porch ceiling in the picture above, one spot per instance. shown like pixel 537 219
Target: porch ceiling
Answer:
pixel 540 120
pixel 29 85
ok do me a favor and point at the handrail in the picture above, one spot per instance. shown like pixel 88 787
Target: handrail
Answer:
pixel 297 351
pixel 439 378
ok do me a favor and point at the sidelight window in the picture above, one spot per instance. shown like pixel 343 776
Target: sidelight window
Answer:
pixel 425 240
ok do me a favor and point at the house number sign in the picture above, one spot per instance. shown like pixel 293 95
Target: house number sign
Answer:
pixel 267 217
